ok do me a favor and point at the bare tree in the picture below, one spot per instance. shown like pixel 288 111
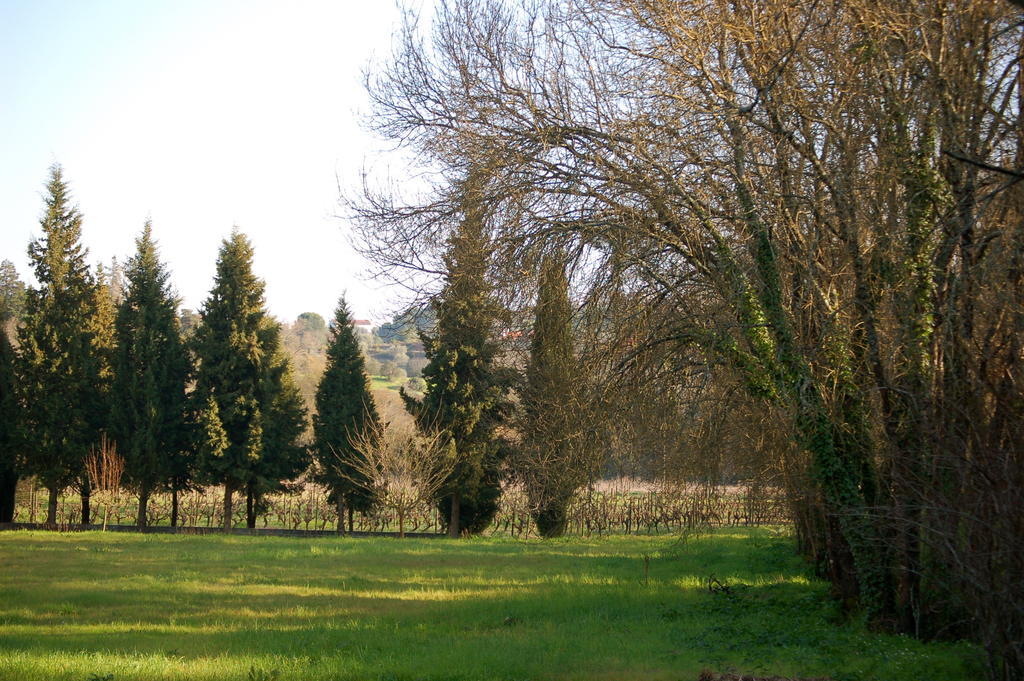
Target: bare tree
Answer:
pixel 104 468
pixel 777 191
pixel 402 468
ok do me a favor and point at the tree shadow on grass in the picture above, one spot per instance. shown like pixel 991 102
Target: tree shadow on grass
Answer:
pixel 538 610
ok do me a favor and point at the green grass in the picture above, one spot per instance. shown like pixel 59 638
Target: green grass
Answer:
pixel 119 606
pixel 383 382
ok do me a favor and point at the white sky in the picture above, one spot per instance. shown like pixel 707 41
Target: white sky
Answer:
pixel 201 115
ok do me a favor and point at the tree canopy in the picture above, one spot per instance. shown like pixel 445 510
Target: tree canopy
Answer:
pixel 248 406
pixel 466 392
pixel 344 411
pixel 58 369
pixel 151 368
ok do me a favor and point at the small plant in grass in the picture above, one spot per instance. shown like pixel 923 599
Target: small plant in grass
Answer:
pixel 95 676
pixel 105 466
pixel 261 674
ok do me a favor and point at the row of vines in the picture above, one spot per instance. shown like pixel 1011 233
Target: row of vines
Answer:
pixel 608 509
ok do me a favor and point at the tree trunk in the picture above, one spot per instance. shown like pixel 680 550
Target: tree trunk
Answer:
pixel 401 523
pixel 453 522
pixel 174 507
pixel 142 520
pixel 51 506
pixel 250 506
pixel 86 498
pixel 341 514
pixel 8 487
pixel 227 506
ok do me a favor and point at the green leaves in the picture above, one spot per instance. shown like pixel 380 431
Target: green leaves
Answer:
pixel 466 394
pixel 57 367
pixel 243 372
pixel 151 369
pixel 345 408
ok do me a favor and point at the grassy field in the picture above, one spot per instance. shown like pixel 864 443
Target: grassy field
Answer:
pixel 111 607
pixel 385 383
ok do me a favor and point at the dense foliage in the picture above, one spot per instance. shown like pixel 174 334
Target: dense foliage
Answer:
pixel 552 426
pixel 58 371
pixel 10 430
pixel 344 410
pixel 150 374
pixel 465 394
pixel 250 411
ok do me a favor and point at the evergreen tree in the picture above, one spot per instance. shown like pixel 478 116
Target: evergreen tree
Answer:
pixel 282 424
pixel 151 368
pixel 101 327
pixel 12 299
pixel 229 357
pixel 344 408
pixel 243 386
pixel 465 392
pixel 10 430
pixel 100 368
pixel 550 455
pixel 12 293
pixel 56 365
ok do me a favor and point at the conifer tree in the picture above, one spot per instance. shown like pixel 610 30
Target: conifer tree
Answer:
pixel 243 386
pixel 345 408
pixel 151 368
pixel 228 355
pixel 100 368
pixel 12 295
pixel 465 392
pixel 56 365
pixel 551 456
pixel 282 423
pixel 10 430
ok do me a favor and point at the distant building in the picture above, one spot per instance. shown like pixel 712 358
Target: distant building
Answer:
pixel 362 325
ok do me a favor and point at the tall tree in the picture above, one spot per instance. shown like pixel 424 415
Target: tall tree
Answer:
pixel 250 411
pixel 10 429
pixel 283 456
pixel 12 300
pixel 344 410
pixel 229 358
pixel 466 394
pixel 151 369
pixel 553 460
pixel 100 368
pixel 56 353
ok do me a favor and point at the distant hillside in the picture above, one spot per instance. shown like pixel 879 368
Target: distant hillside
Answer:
pixel 393 353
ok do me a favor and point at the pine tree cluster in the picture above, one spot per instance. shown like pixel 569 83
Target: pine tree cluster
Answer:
pixel 102 358
pixel 210 399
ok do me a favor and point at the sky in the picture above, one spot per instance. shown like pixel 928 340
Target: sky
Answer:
pixel 200 115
